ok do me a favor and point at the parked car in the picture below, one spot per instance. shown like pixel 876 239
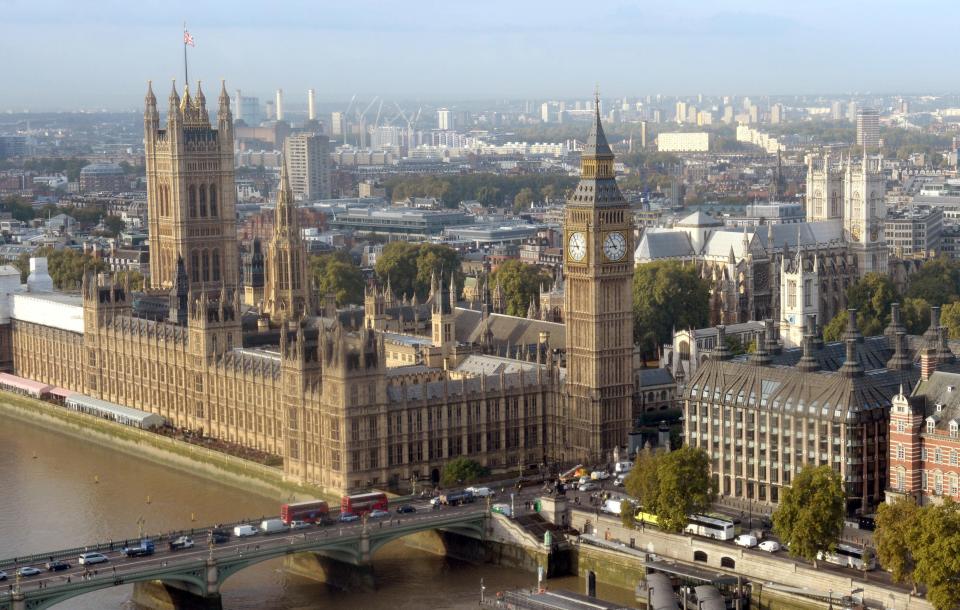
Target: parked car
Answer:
pixel 348 517
pixel 87 559
pixel 589 486
pixel 242 531
pixel 183 542
pixel 299 525
pixel 770 546
pixel 27 571
pixel 56 566
pixel 379 514
pixel 746 540
pixel 406 508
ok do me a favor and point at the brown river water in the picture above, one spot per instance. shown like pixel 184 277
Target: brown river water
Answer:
pixel 52 501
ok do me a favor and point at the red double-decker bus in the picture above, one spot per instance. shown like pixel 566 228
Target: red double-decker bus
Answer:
pixel 363 503
pixel 311 511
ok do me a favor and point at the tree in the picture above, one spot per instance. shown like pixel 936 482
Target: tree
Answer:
pixel 833 331
pixel 398 263
pixel 871 296
pixel 523 199
pixel 440 261
pixel 114 225
pixel 685 487
pixel 135 278
pixel 671 485
pixel 521 283
pixel 896 530
pixel 810 516
pixel 666 296
pixel 936 551
pixel 643 482
pixel 936 282
pixel 336 273
pixel 915 315
pixel 950 317
pixel 461 470
pixel 627 510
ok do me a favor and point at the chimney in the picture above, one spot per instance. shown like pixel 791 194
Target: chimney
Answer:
pixel 928 362
pixel 721 351
pixel 931 336
pixel 279 108
pixel 944 355
pixel 311 108
pixel 760 356
pixel 895 326
pixel 809 363
pixel 852 332
pixel 901 360
pixel 772 345
pixel 851 366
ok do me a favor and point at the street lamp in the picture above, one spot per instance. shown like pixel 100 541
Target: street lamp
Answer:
pixel 482 589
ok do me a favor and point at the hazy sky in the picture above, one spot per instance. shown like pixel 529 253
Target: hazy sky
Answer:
pixel 68 54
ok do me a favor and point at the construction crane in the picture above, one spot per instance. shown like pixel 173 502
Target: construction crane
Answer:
pixel 362 120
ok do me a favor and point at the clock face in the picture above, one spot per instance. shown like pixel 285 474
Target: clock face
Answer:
pixel 615 246
pixel 577 246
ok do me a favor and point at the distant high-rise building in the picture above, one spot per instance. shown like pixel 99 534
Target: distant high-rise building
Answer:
pixel 776 114
pixel 444 119
pixel 311 108
pixel 338 124
pixel 727 114
pixel 387 136
pixel 544 112
pixel 657 116
pixel 836 111
pixel 13 146
pixel 248 110
pixel 692 114
pixel 643 134
pixel 307 157
pixel 868 128
pixel 681 115
pixel 852 112
pixel 904 107
pixel 704 117
pixel 279 107
pixel 754 113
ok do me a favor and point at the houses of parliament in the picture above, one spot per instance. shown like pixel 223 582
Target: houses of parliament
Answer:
pixel 280 370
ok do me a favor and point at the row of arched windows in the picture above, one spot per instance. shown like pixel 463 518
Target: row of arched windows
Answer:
pixel 205 265
pixel 201 200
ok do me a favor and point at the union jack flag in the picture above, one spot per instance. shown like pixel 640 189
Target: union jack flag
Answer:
pixel 188 39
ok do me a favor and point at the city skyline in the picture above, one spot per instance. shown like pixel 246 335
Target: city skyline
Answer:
pixel 508 51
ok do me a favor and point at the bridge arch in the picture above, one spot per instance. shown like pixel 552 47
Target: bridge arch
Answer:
pixel 193 580
pixel 728 562
pixel 700 556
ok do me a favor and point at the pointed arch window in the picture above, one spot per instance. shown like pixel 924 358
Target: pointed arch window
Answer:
pixel 213 200
pixel 195 266
pixel 203 200
pixel 206 266
pixel 216 265
pixel 192 198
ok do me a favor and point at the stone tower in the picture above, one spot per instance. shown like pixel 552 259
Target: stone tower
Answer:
pixel 442 321
pixel 824 188
pixel 864 214
pixel 800 295
pixel 286 294
pixel 598 263
pixel 191 197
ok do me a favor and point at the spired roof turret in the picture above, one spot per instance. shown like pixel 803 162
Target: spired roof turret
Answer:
pixel 598 184
pixel 596 145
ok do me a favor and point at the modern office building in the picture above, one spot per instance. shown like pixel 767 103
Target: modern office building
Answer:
pixel 914 231
pixel 102 177
pixel 683 141
pixel 445 120
pixel 868 128
pixel 308 161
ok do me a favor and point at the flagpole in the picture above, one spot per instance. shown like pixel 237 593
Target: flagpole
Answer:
pixel 186 76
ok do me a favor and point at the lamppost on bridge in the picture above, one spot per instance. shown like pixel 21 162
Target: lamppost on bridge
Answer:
pixel 140 523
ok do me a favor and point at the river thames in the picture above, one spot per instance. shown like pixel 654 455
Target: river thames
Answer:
pixel 73 493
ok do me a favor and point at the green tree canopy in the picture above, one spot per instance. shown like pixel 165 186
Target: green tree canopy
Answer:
pixel 521 283
pixel 936 282
pixel 915 315
pixel 114 225
pixel 950 317
pixel 896 530
pixel 523 199
pixel 810 516
pixel 667 295
pixel 936 552
pixel 672 485
pixel 488 188
pixel 461 470
pixel 336 273
pixel 410 267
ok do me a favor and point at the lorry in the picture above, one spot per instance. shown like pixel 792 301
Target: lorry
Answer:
pixel 613 506
pixel 141 549
pixel 273 526
pixel 455 498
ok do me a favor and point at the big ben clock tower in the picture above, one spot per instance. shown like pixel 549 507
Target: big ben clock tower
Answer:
pixel 598 264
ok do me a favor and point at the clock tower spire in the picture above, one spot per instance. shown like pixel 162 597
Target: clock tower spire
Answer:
pixel 598 265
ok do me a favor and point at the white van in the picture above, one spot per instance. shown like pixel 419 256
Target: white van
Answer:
pixel 272 526
pixel 242 531
pixel 480 492
pixel 613 506
pixel 623 467
pixel 746 540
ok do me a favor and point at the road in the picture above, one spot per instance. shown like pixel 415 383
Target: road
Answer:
pixel 119 565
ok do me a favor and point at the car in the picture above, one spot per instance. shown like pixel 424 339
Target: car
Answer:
pixel 56 566
pixel 220 536
pixel 599 475
pixel 618 482
pixel 589 486
pixel 87 559
pixel 406 508
pixel 770 546
pixel 27 571
pixel 747 541
pixel 183 542
pixel 435 501
pixel 348 517
pixel 480 492
pixel 242 531
pixel 583 480
pixel 299 525
pixel 3 575
pixel 378 514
